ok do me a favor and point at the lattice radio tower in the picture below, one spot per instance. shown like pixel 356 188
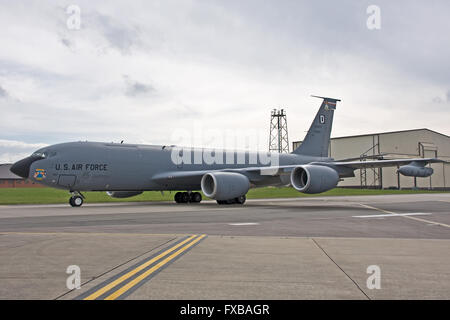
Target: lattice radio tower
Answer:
pixel 278 141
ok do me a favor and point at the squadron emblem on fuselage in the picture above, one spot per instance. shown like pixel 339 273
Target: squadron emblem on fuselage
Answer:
pixel 39 174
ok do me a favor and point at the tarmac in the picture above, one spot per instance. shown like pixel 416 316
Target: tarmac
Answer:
pixel 359 247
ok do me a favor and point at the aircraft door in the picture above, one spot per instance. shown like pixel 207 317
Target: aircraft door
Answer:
pixel 67 180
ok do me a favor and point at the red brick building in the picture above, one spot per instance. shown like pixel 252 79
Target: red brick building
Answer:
pixel 10 180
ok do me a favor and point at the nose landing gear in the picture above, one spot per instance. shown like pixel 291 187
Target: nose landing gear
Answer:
pixel 76 200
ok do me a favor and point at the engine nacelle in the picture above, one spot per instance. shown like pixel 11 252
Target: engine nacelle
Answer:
pixel 224 185
pixel 123 194
pixel 314 178
pixel 411 170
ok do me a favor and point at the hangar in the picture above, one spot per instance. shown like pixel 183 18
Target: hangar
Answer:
pixel 420 143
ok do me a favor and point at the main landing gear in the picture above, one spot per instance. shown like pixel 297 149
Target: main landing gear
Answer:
pixel 76 200
pixel 185 197
pixel 238 200
pixel 196 197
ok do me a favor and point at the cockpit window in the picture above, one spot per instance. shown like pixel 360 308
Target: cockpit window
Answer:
pixel 44 154
pixel 40 155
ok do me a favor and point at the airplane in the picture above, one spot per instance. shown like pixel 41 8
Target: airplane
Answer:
pixel 126 170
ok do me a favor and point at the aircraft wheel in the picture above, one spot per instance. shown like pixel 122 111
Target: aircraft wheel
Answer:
pixel 177 197
pixel 76 201
pixel 184 197
pixel 196 197
pixel 221 201
pixel 240 200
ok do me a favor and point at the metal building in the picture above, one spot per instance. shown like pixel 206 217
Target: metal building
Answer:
pixel 417 143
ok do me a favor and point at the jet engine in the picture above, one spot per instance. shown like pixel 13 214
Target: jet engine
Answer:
pixel 123 194
pixel 314 178
pixel 224 185
pixel 415 170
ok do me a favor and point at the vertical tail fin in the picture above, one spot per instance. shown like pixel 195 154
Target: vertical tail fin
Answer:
pixel 318 137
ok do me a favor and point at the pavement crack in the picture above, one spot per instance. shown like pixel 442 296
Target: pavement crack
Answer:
pixel 348 276
pixel 117 266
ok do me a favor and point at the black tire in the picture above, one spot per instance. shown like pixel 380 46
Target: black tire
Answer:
pixel 221 201
pixel 240 200
pixel 76 201
pixel 177 197
pixel 184 197
pixel 196 197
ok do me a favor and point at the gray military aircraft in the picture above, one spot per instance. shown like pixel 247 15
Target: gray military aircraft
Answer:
pixel 126 170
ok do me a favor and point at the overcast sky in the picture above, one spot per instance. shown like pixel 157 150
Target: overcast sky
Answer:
pixel 150 71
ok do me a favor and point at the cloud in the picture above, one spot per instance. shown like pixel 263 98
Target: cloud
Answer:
pixel 437 100
pixel 135 88
pixel 3 93
pixel 119 35
pixel 67 43
pixel 11 150
pixel 221 63
pixel 442 99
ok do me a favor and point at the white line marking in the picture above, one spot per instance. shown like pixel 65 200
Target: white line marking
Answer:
pixel 394 215
pixel 244 224
pixel 406 217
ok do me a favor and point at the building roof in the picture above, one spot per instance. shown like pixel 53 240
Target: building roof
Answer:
pixel 6 174
pixel 388 132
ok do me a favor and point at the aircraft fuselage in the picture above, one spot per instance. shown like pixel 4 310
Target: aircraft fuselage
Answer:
pixel 97 166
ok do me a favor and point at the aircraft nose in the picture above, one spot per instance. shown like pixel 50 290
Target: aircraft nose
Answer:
pixel 22 167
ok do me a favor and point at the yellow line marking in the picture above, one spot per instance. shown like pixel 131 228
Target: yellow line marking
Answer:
pixel 135 281
pixel 407 217
pixel 129 274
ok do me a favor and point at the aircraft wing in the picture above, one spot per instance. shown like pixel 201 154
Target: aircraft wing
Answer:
pixel 344 168
pixel 382 163
pixel 253 174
